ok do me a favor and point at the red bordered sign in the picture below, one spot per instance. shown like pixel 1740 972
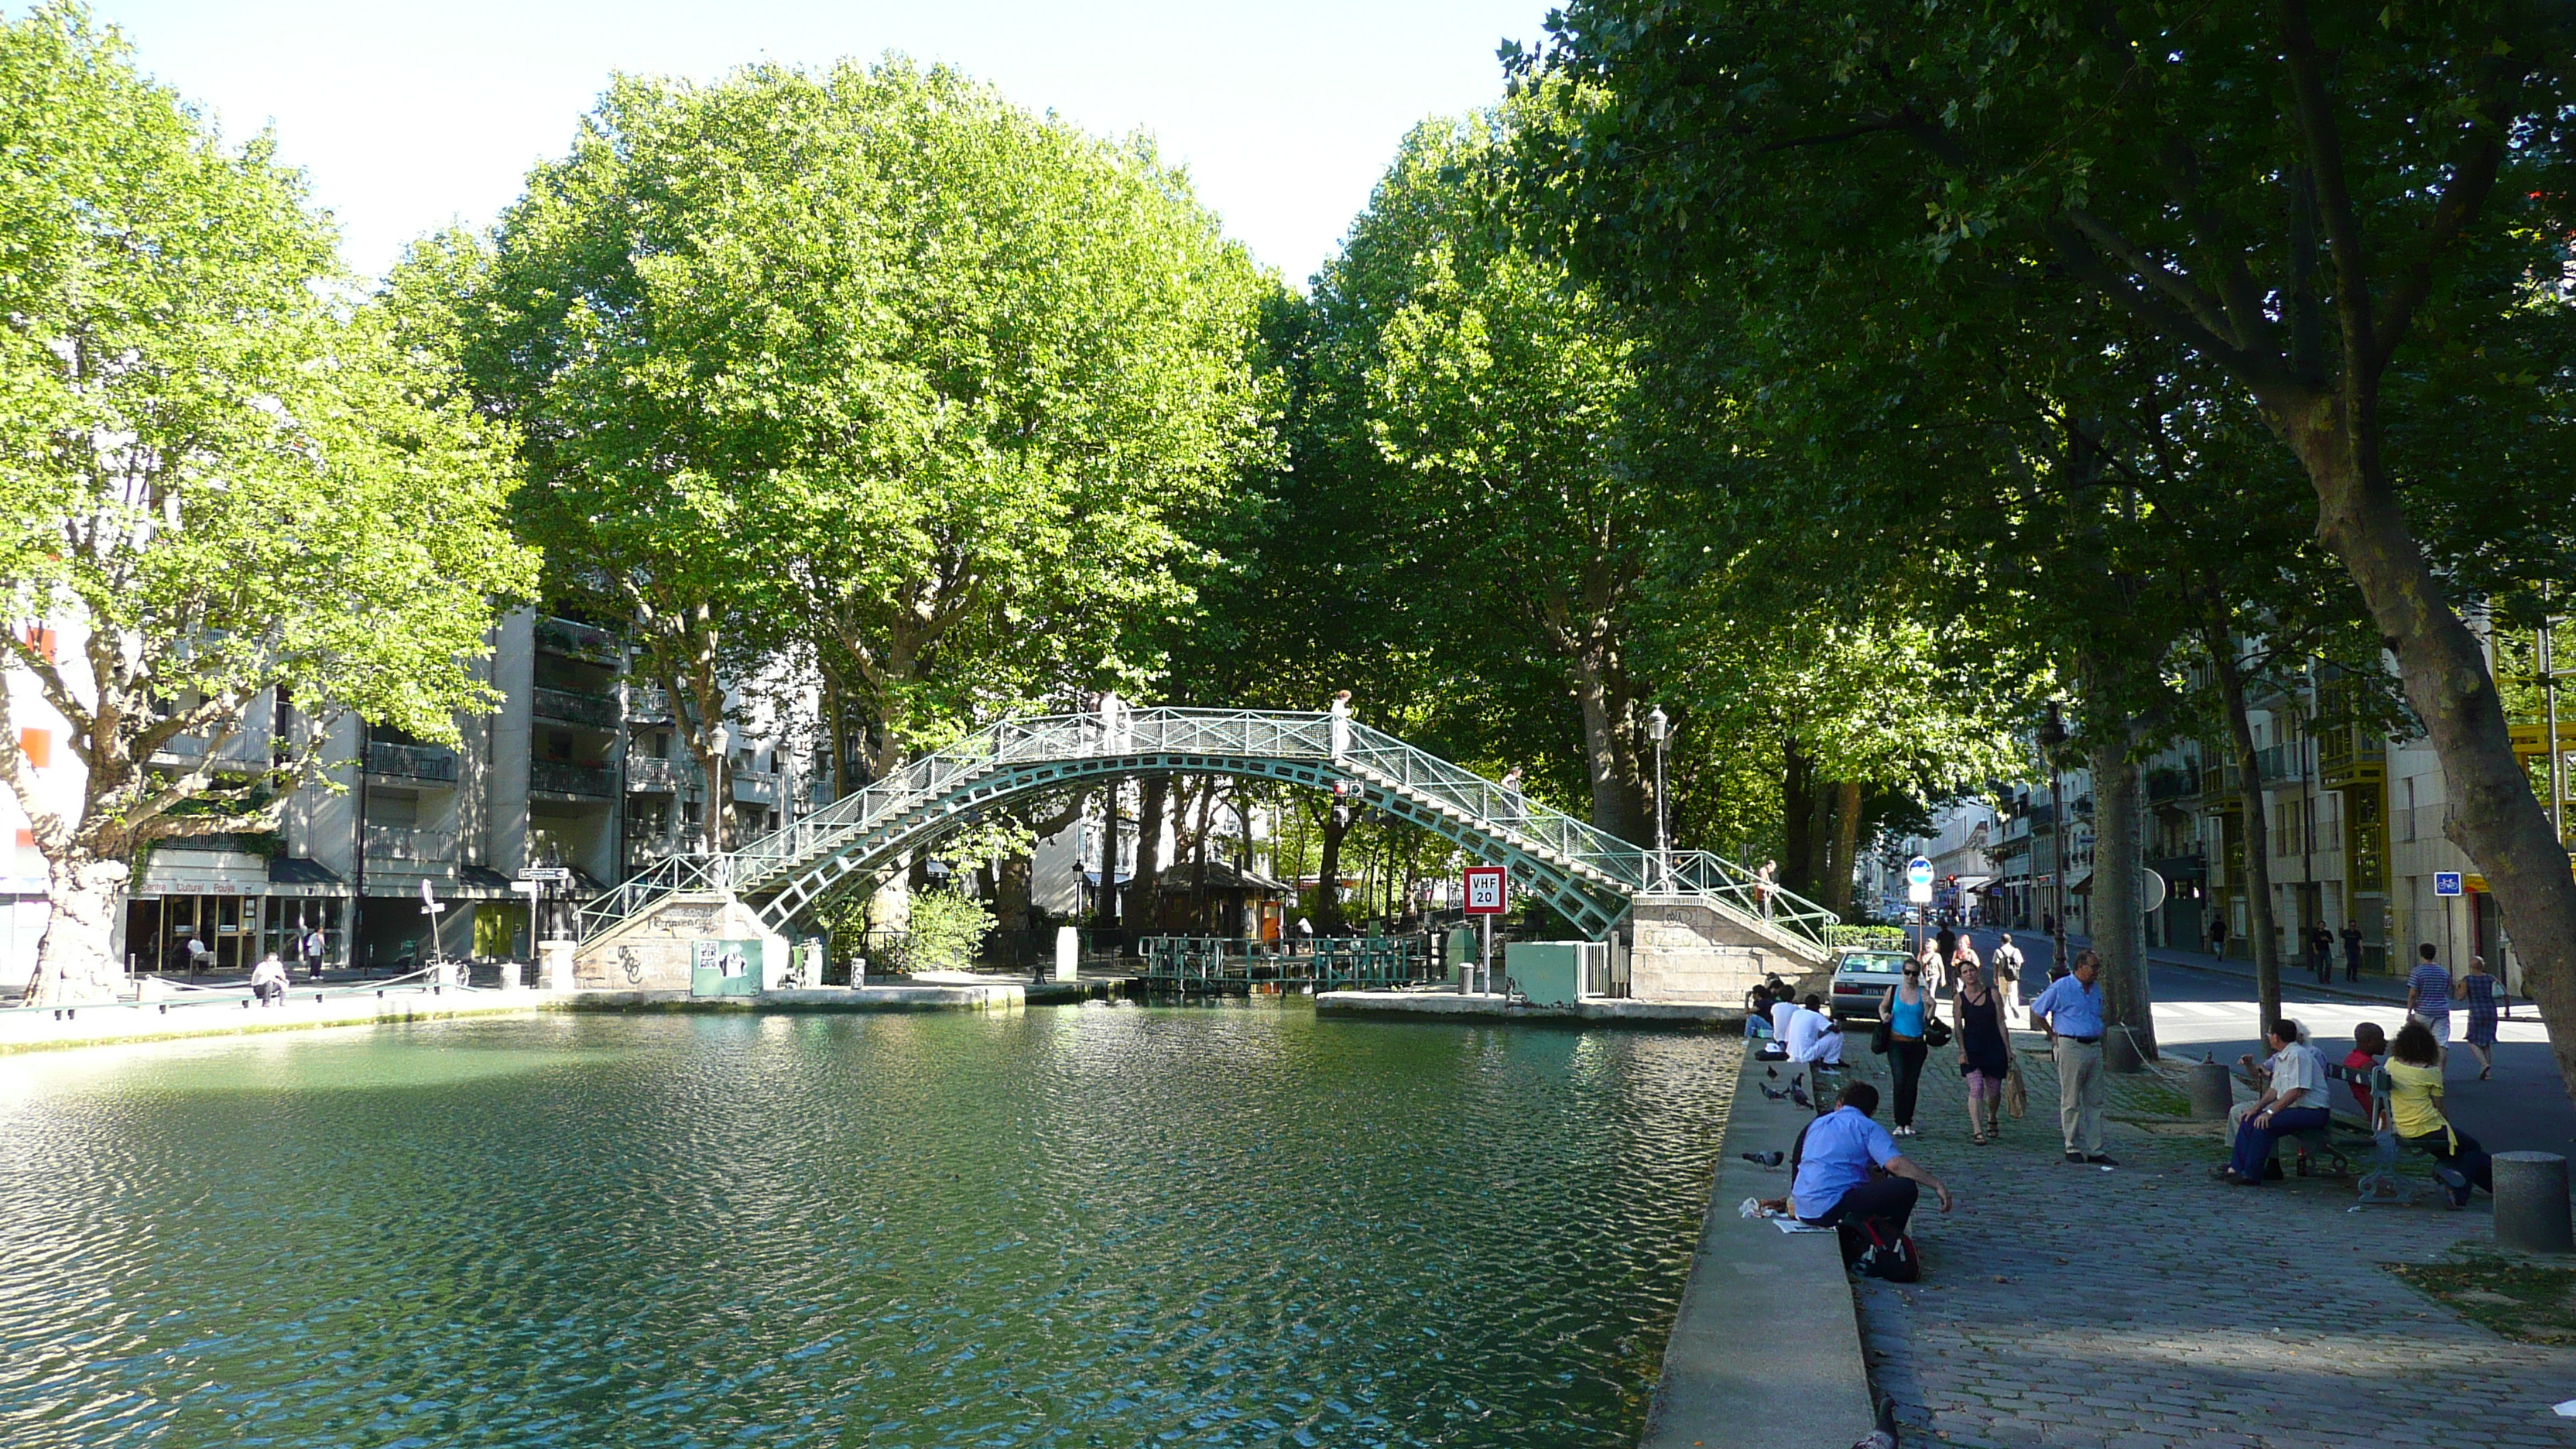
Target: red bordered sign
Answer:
pixel 1486 891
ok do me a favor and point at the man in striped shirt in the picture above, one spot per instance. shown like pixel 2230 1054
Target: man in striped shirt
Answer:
pixel 2428 994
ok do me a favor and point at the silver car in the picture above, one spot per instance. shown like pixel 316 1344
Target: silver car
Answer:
pixel 1862 976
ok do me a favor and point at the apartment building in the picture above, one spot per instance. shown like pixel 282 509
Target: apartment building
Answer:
pixel 2353 821
pixel 577 769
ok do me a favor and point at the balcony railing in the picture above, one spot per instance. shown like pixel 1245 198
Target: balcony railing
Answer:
pixel 411 844
pixel 564 777
pixel 578 641
pixel 648 702
pixel 756 787
pixel 650 775
pixel 568 707
pixel 431 764
pixel 2170 783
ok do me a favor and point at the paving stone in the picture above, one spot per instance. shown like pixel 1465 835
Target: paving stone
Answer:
pixel 2135 1306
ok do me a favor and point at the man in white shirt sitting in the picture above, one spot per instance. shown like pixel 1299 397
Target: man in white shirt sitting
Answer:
pixel 2293 1101
pixel 1814 1036
pixel 1781 1010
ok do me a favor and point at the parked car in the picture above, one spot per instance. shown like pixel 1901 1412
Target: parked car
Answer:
pixel 1862 976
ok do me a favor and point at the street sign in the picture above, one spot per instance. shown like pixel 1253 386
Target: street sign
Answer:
pixel 1918 892
pixel 545 874
pixel 1486 893
pixel 2446 882
pixel 1918 871
pixel 2151 891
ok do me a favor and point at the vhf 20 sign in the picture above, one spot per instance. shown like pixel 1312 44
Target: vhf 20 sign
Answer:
pixel 1485 891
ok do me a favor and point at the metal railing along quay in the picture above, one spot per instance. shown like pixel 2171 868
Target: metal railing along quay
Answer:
pixel 428 981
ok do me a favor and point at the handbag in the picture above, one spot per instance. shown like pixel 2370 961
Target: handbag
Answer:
pixel 2016 1096
pixel 1936 1032
pixel 1881 1037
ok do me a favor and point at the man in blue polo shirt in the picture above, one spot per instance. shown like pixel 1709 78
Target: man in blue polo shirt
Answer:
pixel 1834 1161
pixel 2072 1009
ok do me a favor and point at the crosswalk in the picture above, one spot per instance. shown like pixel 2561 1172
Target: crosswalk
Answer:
pixel 2183 1023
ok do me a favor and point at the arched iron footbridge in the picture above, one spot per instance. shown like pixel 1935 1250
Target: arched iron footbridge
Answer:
pixel 1590 877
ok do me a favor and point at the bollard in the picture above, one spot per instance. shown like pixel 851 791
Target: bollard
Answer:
pixel 2531 1202
pixel 2210 1091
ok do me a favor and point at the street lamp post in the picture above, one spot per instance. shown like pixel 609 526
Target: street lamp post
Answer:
pixel 1660 729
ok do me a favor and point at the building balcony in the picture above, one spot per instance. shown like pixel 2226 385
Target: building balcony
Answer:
pixel 426 764
pixel 648 704
pixel 564 706
pixel 758 787
pixel 405 844
pixel 2171 782
pixel 2351 756
pixel 568 777
pixel 649 775
pixel 579 641
pixel 2283 764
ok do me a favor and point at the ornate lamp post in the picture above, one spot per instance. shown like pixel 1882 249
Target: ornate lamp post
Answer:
pixel 2052 735
pixel 1660 730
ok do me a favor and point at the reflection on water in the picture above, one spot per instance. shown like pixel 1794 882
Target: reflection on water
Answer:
pixel 1069 1226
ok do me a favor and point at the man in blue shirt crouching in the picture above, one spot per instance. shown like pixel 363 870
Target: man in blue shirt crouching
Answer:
pixel 1834 1165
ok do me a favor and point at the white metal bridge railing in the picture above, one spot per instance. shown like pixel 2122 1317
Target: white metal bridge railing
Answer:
pixel 944 783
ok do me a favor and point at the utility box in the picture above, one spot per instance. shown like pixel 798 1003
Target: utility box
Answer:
pixel 1462 953
pixel 1551 973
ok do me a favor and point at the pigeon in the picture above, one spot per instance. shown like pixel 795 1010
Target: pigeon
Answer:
pixel 1772 1072
pixel 1884 1436
pixel 1798 1095
pixel 1777 1096
pixel 1765 1159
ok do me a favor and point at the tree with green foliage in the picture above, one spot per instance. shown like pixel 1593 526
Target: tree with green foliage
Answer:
pixel 871 371
pixel 2344 212
pixel 237 509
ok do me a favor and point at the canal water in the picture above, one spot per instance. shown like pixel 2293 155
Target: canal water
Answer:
pixel 1070 1226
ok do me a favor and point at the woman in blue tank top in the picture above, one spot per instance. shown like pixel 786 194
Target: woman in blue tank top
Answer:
pixel 1904 1008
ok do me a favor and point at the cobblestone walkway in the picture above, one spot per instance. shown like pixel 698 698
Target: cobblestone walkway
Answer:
pixel 2148 1306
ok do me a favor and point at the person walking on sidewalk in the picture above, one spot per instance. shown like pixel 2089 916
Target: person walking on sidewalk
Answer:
pixel 1985 1052
pixel 2428 995
pixel 2351 950
pixel 2321 953
pixel 1906 1008
pixel 2071 1009
pixel 2480 993
pixel 2007 973
pixel 2218 935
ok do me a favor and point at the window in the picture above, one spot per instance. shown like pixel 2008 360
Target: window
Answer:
pixel 40 639
pixel 37 746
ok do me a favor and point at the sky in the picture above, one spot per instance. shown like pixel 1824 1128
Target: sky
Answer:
pixel 408 117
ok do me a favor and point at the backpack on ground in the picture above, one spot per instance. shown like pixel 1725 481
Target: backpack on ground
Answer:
pixel 1873 1248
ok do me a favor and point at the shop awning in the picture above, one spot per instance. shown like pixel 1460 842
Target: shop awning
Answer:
pixel 296 875
pixel 2083 885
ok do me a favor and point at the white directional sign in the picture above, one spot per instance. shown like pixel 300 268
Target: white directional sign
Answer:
pixel 547 874
pixel 1918 882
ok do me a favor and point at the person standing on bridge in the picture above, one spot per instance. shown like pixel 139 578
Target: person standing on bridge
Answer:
pixel 1337 727
pixel 1765 881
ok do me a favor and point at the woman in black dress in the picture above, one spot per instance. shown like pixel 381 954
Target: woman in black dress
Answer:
pixel 1985 1052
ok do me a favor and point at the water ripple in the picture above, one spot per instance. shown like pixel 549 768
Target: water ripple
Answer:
pixel 1063 1227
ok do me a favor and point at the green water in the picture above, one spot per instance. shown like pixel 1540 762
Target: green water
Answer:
pixel 1072 1226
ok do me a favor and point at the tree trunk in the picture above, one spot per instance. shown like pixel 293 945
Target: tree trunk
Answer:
pixel 1610 744
pixel 1205 915
pixel 2255 830
pixel 1818 867
pixel 1328 894
pixel 1145 896
pixel 1845 850
pixel 2119 925
pixel 76 961
pixel 1104 914
pixel 2492 814
pixel 1011 882
pixel 1797 817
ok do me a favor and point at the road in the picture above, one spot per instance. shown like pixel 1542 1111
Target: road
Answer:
pixel 2210 1011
